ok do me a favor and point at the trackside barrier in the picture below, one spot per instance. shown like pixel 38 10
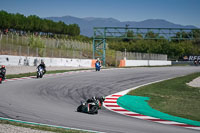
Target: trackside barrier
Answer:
pixel 34 61
pixel 125 63
pixel 93 63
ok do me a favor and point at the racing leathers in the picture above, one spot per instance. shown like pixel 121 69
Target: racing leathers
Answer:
pixel 3 73
pixel 43 67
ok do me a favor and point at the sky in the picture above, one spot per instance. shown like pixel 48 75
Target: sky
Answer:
pixel 184 12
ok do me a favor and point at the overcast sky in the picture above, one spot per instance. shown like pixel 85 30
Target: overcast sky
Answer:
pixel 185 12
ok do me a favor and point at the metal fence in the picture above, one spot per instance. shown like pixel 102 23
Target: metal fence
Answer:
pixel 140 56
pixel 60 48
pixel 18 45
pixel 10 49
pixel 49 42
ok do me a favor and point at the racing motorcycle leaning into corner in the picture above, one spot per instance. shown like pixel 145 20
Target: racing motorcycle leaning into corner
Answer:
pixel 91 106
pixel 2 73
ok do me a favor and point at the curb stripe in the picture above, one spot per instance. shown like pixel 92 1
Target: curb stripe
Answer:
pixel 111 98
pixel 120 110
pixel 182 125
pixel 110 101
pixel 117 95
pixel 111 104
pixel 135 114
pixel 156 120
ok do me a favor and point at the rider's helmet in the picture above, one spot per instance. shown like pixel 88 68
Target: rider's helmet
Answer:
pixel 94 98
pixel 42 62
pixel 3 66
pixel 103 98
pixel 98 59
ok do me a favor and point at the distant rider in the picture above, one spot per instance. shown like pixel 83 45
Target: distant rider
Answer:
pixel 98 61
pixel 43 66
pixel 3 72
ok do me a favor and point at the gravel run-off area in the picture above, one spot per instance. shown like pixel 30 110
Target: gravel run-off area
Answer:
pixel 5 128
pixel 195 82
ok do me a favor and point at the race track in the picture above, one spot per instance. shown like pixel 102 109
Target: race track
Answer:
pixel 53 100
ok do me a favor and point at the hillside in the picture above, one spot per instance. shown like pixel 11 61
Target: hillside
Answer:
pixel 87 24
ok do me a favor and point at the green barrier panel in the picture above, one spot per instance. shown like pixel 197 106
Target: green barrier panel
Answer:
pixel 140 105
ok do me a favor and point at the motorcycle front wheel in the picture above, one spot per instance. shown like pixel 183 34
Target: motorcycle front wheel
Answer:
pixel 93 110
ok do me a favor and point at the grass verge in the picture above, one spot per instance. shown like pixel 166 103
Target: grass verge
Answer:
pixel 43 128
pixel 34 73
pixel 173 97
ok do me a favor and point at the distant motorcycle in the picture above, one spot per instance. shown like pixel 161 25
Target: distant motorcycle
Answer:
pixel 1 79
pixel 40 72
pixel 196 62
pixel 97 66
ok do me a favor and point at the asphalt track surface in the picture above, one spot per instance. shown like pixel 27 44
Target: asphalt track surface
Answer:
pixel 53 100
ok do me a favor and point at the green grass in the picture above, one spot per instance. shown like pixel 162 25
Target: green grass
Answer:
pixel 173 97
pixel 43 128
pixel 34 73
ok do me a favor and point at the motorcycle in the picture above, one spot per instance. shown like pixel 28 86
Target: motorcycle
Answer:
pixel 1 79
pixel 90 108
pixel 97 66
pixel 40 72
pixel 196 62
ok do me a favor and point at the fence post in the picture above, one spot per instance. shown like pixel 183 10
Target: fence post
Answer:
pixel 74 54
pixel 60 53
pixel 10 49
pixel 22 40
pixel 28 50
pixel 20 50
pixel 81 55
pixel 116 58
pixel 44 52
pixel 36 52
pixel 17 38
pixel 12 38
pixel 7 39
pixel 51 52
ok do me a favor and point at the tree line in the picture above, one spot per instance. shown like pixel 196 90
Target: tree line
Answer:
pixel 175 48
pixel 33 23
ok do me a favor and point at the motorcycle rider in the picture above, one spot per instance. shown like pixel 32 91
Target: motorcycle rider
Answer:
pixel 98 61
pixel 92 100
pixel 97 64
pixel 3 72
pixel 101 100
pixel 43 66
